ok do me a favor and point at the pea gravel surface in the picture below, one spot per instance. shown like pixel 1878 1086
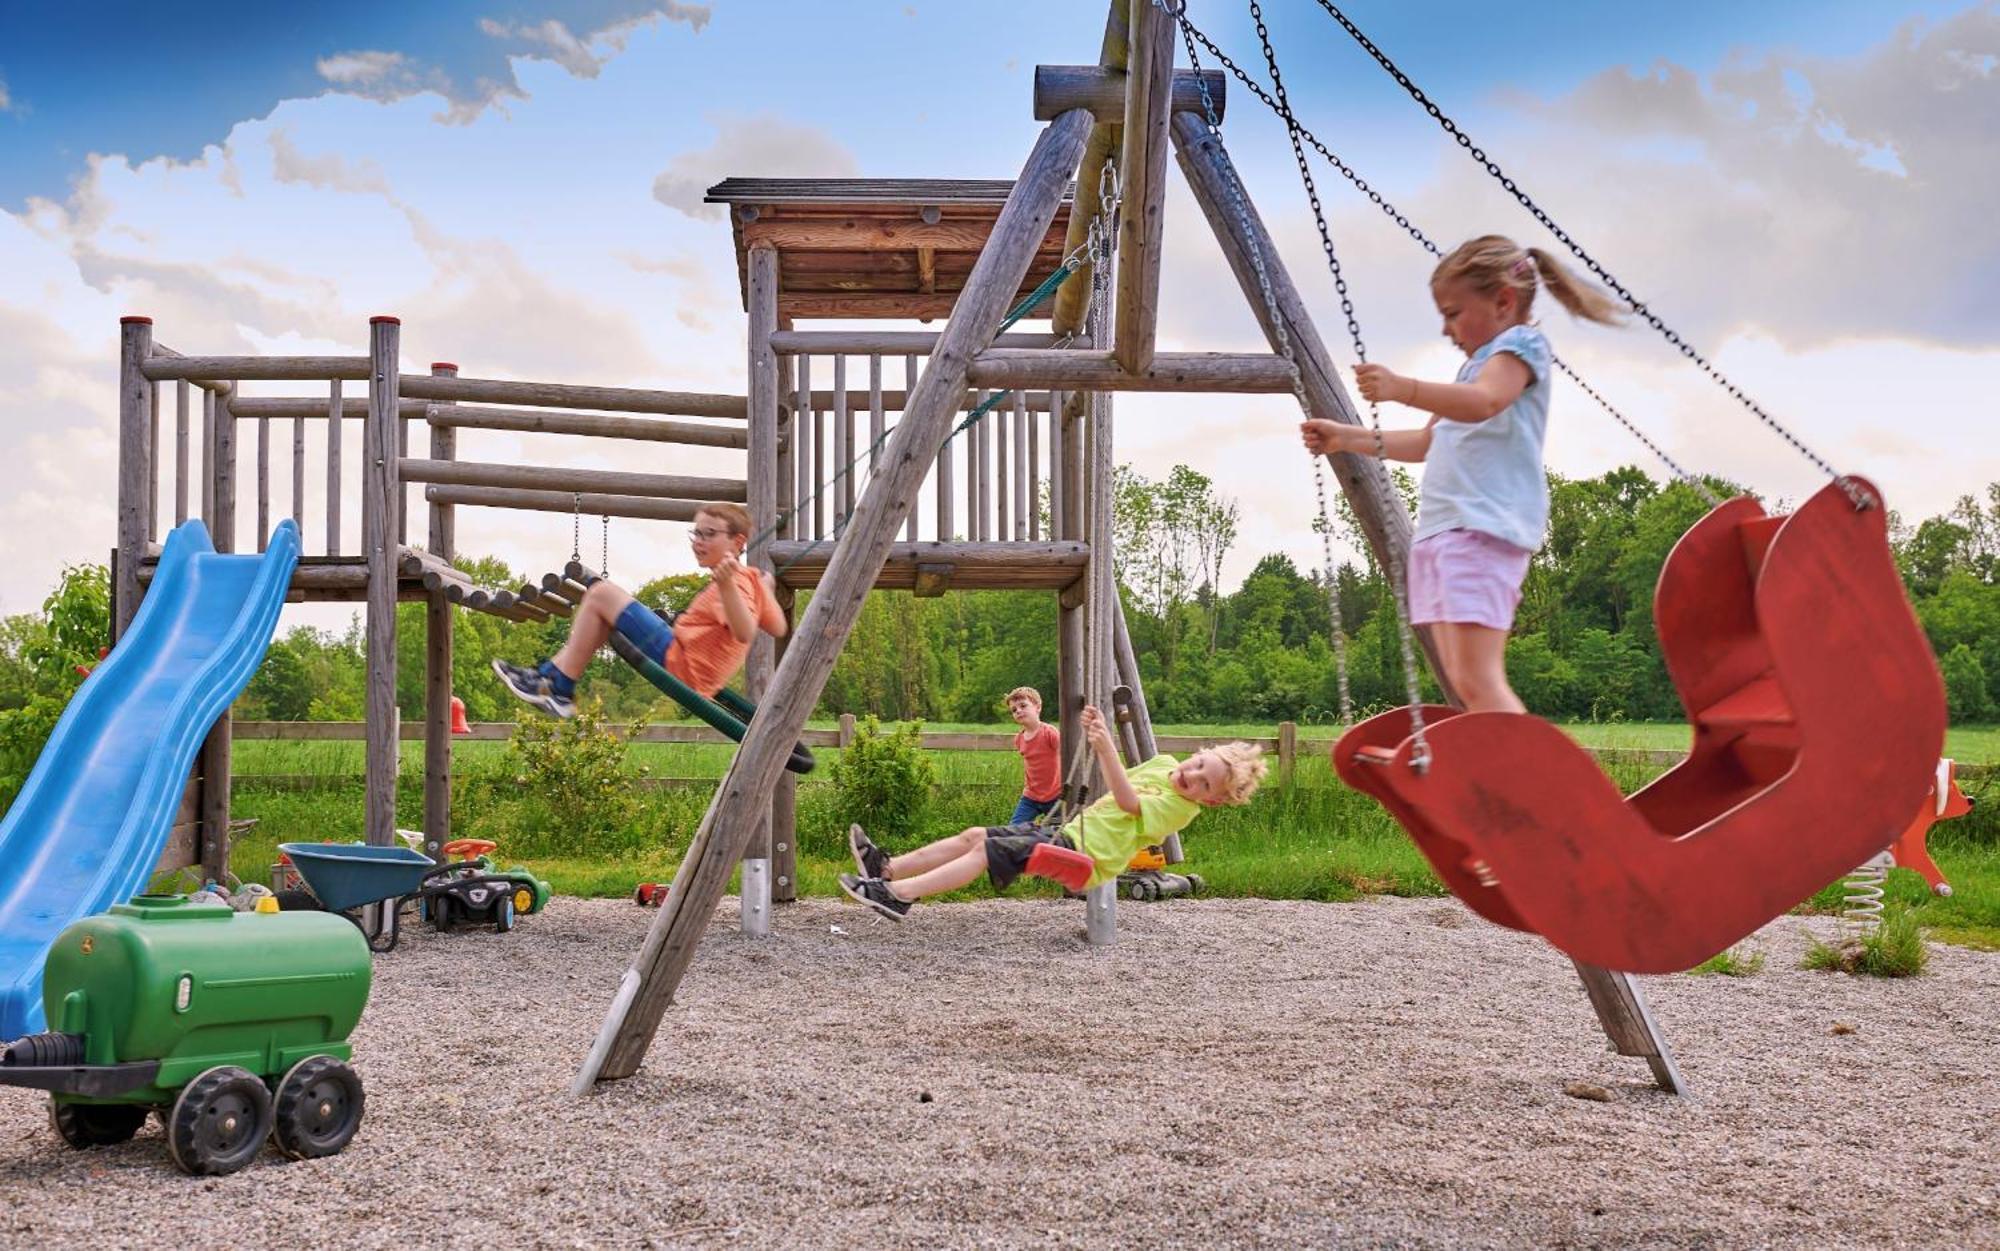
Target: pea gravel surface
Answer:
pixel 1233 1073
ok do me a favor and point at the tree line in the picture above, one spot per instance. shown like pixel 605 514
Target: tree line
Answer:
pixel 1584 646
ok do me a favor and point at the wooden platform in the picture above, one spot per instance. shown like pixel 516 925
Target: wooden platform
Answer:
pixel 934 568
pixel 874 247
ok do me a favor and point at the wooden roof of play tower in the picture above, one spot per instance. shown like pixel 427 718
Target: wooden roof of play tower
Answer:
pixel 874 247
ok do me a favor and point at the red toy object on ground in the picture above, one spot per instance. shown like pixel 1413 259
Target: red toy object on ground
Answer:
pixel 1818 718
pixel 650 894
pixel 1911 849
pixel 458 725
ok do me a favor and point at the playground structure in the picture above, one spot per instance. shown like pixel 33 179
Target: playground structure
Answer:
pixel 807 250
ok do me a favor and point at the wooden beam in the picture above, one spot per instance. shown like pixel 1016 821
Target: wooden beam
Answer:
pixel 1142 168
pixel 888 342
pixel 273 368
pixel 1250 373
pixel 864 234
pixel 379 490
pixel 589 502
pixel 761 265
pixel 975 566
pixel 438 626
pixel 927 270
pixel 1059 88
pixel 293 407
pixel 135 395
pixel 649 985
pixel 590 425
pixel 552 478
pixel 565 395
pixel 1071 300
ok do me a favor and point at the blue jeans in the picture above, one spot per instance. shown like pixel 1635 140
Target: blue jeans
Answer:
pixel 1028 810
pixel 646 630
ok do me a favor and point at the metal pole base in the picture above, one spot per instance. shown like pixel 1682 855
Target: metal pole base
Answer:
pixel 1100 915
pixel 756 898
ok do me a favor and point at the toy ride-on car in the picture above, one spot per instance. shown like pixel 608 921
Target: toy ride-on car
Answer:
pixel 371 885
pixel 232 1026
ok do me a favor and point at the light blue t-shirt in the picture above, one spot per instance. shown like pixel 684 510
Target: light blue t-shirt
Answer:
pixel 1487 475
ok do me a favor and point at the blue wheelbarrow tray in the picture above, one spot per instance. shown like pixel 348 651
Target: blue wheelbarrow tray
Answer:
pixel 346 876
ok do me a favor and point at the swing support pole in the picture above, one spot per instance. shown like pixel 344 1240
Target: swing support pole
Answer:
pixel 742 800
pixel 1621 1008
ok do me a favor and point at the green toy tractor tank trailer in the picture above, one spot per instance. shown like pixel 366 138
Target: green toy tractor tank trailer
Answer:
pixel 232 1026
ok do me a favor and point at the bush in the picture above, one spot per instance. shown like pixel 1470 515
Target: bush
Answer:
pixel 883 781
pixel 1733 962
pixel 1894 948
pixel 575 793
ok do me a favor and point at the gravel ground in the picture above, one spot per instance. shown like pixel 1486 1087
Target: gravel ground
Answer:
pixel 1234 1073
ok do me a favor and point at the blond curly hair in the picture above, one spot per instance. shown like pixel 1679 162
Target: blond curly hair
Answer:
pixel 1246 765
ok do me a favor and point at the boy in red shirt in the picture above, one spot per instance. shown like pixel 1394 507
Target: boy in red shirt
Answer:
pixel 703 647
pixel 1040 746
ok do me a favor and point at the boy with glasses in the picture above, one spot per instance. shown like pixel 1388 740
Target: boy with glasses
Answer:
pixel 703 647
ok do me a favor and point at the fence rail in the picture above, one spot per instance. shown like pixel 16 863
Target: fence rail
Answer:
pixel 1283 744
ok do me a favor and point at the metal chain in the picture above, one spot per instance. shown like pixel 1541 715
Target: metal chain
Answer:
pixel 1859 497
pixel 604 552
pixel 1421 755
pixel 1284 114
pixel 576 526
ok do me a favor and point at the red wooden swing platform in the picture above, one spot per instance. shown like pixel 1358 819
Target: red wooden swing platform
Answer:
pixel 1818 718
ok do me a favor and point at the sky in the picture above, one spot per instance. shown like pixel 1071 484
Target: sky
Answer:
pixel 1803 190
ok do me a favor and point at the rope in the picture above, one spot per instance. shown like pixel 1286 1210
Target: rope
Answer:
pixel 1284 114
pixel 1639 308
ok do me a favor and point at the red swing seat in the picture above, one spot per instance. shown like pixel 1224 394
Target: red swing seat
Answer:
pixel 1818 718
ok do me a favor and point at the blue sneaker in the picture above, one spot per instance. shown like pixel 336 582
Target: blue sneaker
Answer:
pixel 535 687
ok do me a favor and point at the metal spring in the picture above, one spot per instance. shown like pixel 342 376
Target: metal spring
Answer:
pixel 1864 889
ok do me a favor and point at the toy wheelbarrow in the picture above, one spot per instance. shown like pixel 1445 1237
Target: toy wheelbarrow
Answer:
pixel 371 885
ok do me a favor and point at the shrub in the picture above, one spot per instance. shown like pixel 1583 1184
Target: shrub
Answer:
pixel 575 793
pixel 883 780
pixel 1734 962
pixel 1894 948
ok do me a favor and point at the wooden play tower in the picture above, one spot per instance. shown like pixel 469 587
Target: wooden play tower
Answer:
pixel 931 503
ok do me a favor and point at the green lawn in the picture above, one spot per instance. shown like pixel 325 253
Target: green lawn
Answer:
pixel 1315 840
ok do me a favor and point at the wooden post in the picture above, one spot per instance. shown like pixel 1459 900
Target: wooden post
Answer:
pixel 378 528
pixel 263 482
pixel 819 474
pixel 438 626
pixel 135 396
pixel 180 452
pixel 980 470
pixel 1211 176
pixel 299 473
pixel 846 731
pixel 1072 634
pixel 878 419
pixel 946 531
pixel 909 385
pixel 333 423
pixel 760 888
pixel 1104 141
pixel 222 530
pixel 802 452
pixel 1003 485
pixel 208 403
pixel 649 985
pixel 787 443
pixel 1142 165
pixel 152 462
pixel 1288 753
pixel 1024 471
pixel 843 448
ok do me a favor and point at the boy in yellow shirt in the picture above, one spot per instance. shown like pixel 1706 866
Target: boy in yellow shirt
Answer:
pixel 1154 800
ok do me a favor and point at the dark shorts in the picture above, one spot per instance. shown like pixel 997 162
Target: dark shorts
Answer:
pixel 1009 846
pixel 646 629
pixel 1028 810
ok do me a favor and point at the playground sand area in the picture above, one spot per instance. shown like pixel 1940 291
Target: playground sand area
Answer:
pixel 1390 1072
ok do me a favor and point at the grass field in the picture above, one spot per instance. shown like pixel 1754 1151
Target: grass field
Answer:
pixel 1315 840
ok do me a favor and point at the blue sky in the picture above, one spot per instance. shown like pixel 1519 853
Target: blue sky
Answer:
pixel 1804 189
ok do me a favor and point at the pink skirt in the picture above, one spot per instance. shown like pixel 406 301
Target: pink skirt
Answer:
pixel 1466 577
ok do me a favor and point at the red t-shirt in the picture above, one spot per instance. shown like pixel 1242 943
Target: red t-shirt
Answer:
pixel 704 654
pixel 1042 754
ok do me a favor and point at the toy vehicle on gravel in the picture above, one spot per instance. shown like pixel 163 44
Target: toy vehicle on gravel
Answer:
pixel 232 1026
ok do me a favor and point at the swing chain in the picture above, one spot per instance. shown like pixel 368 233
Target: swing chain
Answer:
pixel 1857 496
pixel 1694 481
pixel 576 526
pixel 604 551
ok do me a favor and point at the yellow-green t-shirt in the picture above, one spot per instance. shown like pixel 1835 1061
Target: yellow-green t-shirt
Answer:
pixel 1110 836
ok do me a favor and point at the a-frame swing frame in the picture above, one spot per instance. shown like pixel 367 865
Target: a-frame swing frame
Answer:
pixel 1108 107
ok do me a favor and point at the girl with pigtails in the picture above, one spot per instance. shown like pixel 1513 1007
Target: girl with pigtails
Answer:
pixel 1485 499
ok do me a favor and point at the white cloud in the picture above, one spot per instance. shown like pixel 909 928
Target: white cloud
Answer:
pixel 327 170
pixel 750 146
pixel 6 101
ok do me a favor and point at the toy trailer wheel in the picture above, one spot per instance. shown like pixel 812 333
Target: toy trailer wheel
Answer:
pixel 83 1125
pixel 318 1108
pixel 219 1122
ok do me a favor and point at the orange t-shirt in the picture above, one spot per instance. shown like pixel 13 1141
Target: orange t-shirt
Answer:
pixel 1042 754
pixel 704 654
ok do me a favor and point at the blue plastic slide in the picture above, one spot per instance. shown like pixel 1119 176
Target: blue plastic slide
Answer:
pixel 92 820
